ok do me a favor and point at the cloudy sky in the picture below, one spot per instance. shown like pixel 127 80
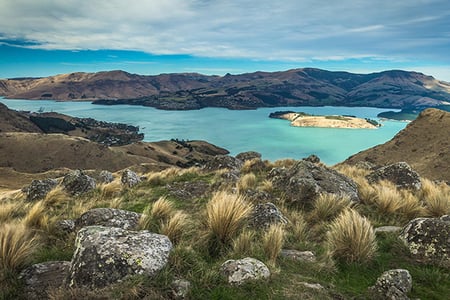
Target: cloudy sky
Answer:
pixel 46 37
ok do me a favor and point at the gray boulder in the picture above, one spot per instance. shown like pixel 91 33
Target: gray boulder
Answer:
pixel 266 214
pixel 223 162
pixel 130 178
pixel 106 255
pixel 249 155
pixel 312 158
pixel 38 279
pixel 306 256
pixel 65 226
pixel 38 189
pixel 304 181
pixel 77 183
pixel 393 284
pixel 401 174
pixel 109 217
pixel 106 176
pixel 428 239
pixel 243 270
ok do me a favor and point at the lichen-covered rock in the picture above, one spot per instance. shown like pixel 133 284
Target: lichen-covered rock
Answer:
pixel 312 158
pixel 304 181
pixel 77 183
pixel 188 190
pixel 306 256
pixel 243 270
pixel 106 176
pixel 223 162
pixel 130 178
pixel 401 174
pixel 249 155
pixel 65 226
pixel 38 189
pixel 109 217
pixel 266 214
pixel 105 255
pixel 393 284
pixel 38 279
pixel 180 288
pixel 428 239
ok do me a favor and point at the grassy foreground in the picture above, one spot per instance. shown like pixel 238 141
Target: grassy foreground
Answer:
pixel 211 227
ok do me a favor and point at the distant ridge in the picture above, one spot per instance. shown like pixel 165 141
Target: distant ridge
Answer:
pixel 424 144
pixel 297 87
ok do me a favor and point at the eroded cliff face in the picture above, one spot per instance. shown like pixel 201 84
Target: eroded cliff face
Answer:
pixel 424 144
pixel 297 87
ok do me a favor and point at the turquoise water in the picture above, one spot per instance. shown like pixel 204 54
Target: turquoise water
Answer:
pixel 237 131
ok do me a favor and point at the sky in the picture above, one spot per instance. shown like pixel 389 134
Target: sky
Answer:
pixel 48 37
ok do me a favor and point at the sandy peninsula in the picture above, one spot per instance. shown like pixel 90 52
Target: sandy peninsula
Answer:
pixel 329 121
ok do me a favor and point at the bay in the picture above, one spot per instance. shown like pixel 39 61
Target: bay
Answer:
pixel 236 130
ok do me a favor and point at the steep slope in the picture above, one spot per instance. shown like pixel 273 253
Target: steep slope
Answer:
pixel 308 86
pixel 11 120
pixel 424 144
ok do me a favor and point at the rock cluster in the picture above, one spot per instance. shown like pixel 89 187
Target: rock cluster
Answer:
pixel 401 174
pixel 38 189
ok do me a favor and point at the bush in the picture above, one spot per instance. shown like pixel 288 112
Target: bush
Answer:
pixel 351 238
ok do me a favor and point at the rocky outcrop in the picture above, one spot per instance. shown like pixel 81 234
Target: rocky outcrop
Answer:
pixel 305 256
pixel 249 155
pixel 393 284
pixel 401 174
pixel 38 189
pixel 130 178
pixel 77 183
pixel 38 279
pixel 106 255
pixel 188 190
pixel 106 176
pixel 428 239
pixel 304 181
pixel 243 270
pixel 223 162
pixel 266 214
pixel 109 217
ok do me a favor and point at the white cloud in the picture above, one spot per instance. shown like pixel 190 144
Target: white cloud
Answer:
pixel 284 30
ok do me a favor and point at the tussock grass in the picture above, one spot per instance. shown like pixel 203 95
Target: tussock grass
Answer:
pixel 17 246
pixel 175 226
pixel 36 217
pixel 286 163
pixel 351 238
pixel 57 197
pixel 225 216
pixel 352 171
pixel 246 182
pixel 327 206
pixel 273 241
pixel 435 197
pixel 297 228
pixel 266 186
pixel 110 190
pixel 10 210
pixel 244 244
pixel 366 192
pixel 410 207
pixel 156 213
pixel 389 199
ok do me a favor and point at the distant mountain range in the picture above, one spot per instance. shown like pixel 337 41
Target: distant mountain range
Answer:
pixel 297 87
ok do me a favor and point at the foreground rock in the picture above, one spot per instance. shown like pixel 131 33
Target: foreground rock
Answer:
pixel 401 174
pixel 106 255
pixel 392 284
pixel 40 278
pixel 130 178
pixel 38 189
pixel 304 181
pixel 266 214
pixel 428 239
pixel 109 217
pixel 243 270
pixel 77 183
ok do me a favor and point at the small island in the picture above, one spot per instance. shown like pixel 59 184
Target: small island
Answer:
pixel 301 119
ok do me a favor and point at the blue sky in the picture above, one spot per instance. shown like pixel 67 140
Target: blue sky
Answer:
pixel 47 37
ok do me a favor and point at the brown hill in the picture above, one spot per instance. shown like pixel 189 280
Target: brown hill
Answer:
pixel 424 144
pixel 297 87
pixel 11 120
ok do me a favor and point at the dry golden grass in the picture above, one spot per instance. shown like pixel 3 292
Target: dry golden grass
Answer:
pixel 273 241
pixel 175 226
pixel 36 217
pixel 286 163
pixel 266 186
pixel 17 246
pixel 252 165
pixel 57 197
pixel 110 190
pixel 351 171
pixel 158 178
pixel 410 207
pixel 10 210
pixel 159 211
pixel 389 199
pixel 351 238
pixel 366 192
pixel 436 198
pixel 297 228
pixel 246 182
pixel 244 244
pixel 225 215
pixel 328 206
